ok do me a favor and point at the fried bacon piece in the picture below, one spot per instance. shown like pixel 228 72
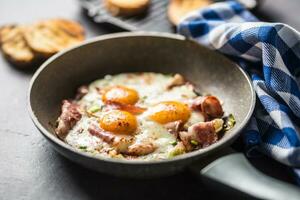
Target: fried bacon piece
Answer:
pixel 125 107
pixel 174 127
pixel 209 105
pixel 139 149
pixel 70 115
pixel 123 143
pixel 119 142
pixel 201 134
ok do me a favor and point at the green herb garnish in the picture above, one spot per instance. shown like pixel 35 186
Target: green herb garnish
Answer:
pixel 83 147
pixel 176 151
pixel 194 142
pixel 173 143
pixel 229 122
pixel 94 108
pixel 144 98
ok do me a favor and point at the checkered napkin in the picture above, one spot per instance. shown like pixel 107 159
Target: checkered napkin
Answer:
pixel 270 53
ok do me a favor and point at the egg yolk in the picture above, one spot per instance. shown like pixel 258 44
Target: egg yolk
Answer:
pixel 121 94
pixel 170 111
pixel 119 122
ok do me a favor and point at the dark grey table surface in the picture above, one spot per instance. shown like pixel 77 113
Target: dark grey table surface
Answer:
pixel 30 169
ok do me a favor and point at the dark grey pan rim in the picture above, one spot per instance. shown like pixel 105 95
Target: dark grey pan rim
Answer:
pixel 234 132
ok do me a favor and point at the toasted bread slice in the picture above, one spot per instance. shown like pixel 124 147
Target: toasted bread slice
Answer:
pixel 177 9
pixel 14 46
pixel 51 36
pixel 126 7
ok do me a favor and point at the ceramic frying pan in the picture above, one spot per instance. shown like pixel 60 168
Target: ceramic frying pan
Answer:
pixel 60 76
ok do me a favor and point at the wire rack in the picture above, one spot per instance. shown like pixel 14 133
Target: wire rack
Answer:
pixel 154 19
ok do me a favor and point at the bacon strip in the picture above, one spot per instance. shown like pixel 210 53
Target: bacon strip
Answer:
pixel 120 142
pixel 141 149
pixel 125 107
pixel 123 143
pixel 70 115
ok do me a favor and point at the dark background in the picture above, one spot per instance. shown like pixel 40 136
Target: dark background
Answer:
pixel 30 169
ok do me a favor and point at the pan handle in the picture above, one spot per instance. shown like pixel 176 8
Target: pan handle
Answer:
pixel 234 173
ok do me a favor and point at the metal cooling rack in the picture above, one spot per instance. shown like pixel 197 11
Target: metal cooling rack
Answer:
pixel 155 19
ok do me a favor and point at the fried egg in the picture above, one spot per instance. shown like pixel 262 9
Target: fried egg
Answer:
pixel 138 106
pixel 118 122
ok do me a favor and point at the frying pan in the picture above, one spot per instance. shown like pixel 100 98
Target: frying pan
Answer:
pixel 60 76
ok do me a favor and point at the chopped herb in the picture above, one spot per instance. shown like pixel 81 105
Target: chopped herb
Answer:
pixel 176 151
pixel 173 143
pixel 194 142
pixel 83 147
pixel 218 124
pixel 144 98
pixel 94 108
pixel 119 156
pixel 229 122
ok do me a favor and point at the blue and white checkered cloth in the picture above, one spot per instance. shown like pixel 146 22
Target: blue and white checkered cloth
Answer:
pixel 270 53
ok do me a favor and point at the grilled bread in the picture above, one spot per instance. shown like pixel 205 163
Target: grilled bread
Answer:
pixel 177 9
pixel 14 45
pixel 29 45
pixel 51 36
pixel 126 7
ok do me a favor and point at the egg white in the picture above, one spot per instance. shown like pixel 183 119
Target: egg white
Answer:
pixel 151 88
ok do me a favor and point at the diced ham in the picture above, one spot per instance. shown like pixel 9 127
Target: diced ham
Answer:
pixel 70 115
